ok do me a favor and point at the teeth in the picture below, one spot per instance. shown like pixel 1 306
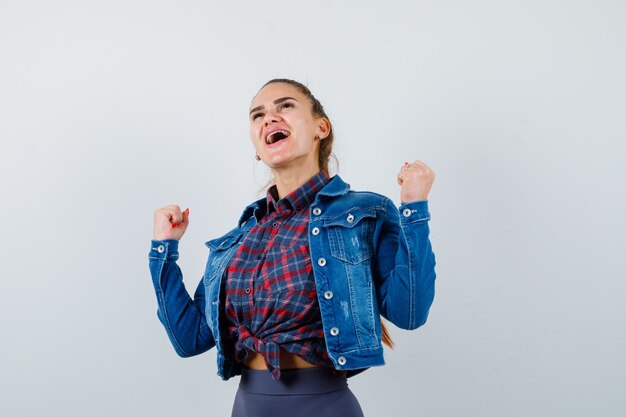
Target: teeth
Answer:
pixel 268 138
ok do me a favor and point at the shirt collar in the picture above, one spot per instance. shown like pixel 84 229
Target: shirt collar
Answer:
pixel 298 199
pixel 336 187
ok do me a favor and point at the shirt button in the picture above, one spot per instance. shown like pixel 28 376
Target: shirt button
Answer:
pixel 341 360
pixel 328 295
pixel 248 290
pixel 406 212
pixel 321 261
pixel 317 211
pixel 315 231
pixel 350 218
pixel 160 248
pixel 334 331
pixel 274 225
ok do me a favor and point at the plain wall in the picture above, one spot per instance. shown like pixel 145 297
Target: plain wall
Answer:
pixel 109 110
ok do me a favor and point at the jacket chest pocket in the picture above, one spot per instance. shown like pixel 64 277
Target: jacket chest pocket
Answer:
pixel 222 250
pixel 350 235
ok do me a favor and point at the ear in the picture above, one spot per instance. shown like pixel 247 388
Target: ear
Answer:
pixel 323 127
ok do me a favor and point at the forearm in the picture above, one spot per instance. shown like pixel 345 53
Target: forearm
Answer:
pixel 182 317
pixel 408 278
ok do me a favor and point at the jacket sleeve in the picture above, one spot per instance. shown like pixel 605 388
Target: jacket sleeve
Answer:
pixel 405 265
pixel 183 318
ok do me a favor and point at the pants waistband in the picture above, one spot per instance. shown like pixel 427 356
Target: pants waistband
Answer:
pixel 292 381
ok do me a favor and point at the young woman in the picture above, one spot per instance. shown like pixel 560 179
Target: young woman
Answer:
pixel 292 296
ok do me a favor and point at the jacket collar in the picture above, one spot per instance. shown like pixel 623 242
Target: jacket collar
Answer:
pixel 251 211
pixel 335 188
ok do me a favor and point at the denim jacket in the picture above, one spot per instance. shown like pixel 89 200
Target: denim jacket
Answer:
pixel 368 258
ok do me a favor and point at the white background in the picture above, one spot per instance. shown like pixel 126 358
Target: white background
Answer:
pixel 110 109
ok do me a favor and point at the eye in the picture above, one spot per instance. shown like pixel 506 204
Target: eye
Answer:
pixel 285 105
pixel 256 116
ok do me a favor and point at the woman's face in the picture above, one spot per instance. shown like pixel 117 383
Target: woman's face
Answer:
pixel 283 128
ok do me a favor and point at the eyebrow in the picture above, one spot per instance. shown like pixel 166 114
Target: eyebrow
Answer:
pixel 277 101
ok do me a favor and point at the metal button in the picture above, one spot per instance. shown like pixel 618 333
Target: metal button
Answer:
pixel 334 331
pixel 315 231
pixel 341 360
pixel 350 218
pixel 160 248
pixel 321 261
pixel 317 211
pixel 328 295
pixel 406 212
pixel 248 290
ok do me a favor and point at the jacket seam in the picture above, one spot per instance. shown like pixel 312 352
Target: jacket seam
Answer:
pixel 343 213
pixel 412 284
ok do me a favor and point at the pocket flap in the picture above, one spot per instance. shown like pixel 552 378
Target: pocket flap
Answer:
pixel 350 218
pixel 225 242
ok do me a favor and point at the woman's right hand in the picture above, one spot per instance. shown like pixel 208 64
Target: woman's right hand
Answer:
pixel 170 222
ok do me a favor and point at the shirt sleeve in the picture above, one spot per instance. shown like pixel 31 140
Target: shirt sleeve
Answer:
pixel 183 318
pixel 405 265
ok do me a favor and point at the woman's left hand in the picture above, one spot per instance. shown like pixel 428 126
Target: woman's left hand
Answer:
pixel 416 180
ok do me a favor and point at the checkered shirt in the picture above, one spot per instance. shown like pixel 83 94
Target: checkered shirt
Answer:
pixel 270 299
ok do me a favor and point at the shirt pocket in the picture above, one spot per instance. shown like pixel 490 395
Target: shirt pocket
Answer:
pixel 350 235
pixel 288 268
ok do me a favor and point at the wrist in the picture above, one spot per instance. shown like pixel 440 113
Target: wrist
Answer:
pixel 413 199
pixel 164 237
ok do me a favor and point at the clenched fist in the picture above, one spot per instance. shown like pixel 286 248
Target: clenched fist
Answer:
pixel 170 222
pixel 415 181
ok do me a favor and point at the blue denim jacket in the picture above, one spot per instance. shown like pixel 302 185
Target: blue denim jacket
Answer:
pixel 368 257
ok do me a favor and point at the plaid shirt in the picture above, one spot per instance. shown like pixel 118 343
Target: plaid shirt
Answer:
pixel 270 296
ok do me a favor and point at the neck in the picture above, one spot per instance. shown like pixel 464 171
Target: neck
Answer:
pixel 291 178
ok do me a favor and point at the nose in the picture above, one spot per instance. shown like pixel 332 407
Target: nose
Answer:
pixel 270 117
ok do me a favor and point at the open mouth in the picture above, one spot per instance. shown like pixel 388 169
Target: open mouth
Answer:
pixel 276 136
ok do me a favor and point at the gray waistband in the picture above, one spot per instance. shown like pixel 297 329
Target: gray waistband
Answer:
pixel 292 381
